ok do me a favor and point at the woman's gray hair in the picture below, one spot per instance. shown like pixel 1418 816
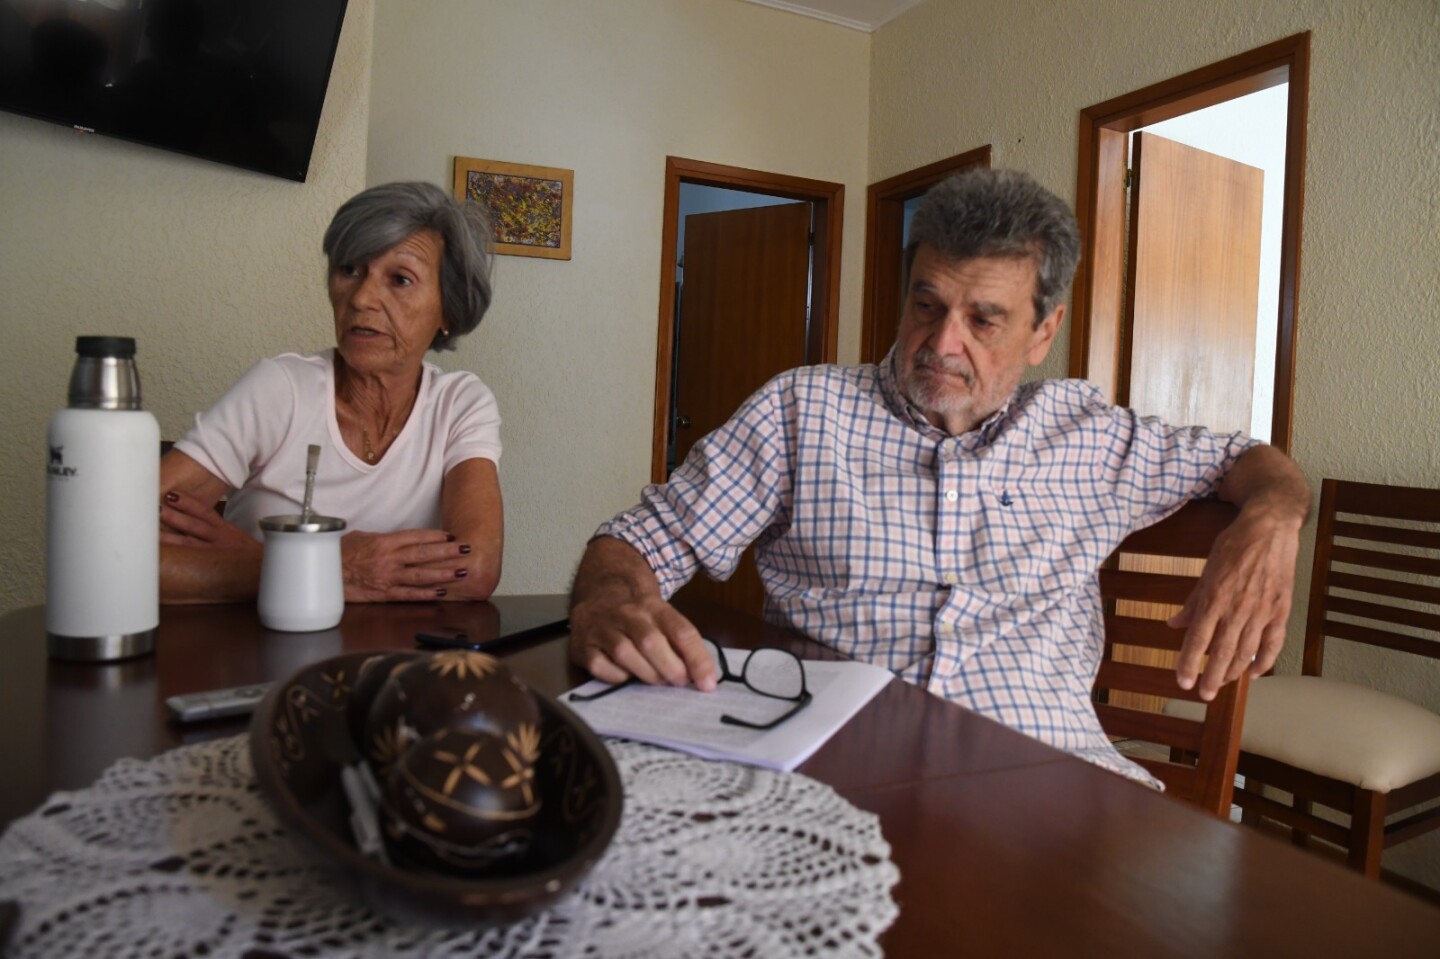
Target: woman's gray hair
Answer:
pixel 371 222
pixel 1002 213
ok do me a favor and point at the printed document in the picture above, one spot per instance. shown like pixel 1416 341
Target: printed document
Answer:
pixel 686 719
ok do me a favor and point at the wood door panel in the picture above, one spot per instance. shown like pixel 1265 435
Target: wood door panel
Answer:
pixel 1195 267
pixel 743 313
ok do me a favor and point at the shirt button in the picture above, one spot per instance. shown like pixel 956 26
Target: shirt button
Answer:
pixel 951 578
pixel 951 496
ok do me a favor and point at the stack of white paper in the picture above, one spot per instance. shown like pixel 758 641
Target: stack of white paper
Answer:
pixel 689 720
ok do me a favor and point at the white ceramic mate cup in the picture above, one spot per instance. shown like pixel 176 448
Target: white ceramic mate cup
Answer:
pixel 301 586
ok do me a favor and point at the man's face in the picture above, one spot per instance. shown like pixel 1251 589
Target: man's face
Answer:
pixel 967 335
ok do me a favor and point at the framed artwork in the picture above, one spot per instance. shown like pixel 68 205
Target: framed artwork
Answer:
pixel 530 206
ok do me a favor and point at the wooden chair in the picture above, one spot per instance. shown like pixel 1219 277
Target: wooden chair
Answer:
pixel 1203 750
pixel 1356 750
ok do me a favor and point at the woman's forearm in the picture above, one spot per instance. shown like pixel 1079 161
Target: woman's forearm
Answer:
pixel 195 574
pixel 473 512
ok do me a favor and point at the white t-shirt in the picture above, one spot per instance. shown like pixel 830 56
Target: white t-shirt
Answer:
pixel 256 437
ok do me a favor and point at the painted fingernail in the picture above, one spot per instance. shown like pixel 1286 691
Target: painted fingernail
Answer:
pixel 440 592
pixel 464 551
pixel 449 537
pixel 172 497
pixel 460 573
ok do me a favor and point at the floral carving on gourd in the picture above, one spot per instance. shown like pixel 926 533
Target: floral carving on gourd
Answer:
pixel 523 749
pixel 390 742
pixel 462 663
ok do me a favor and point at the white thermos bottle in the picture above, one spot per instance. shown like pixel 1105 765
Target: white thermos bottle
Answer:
pixel 102 556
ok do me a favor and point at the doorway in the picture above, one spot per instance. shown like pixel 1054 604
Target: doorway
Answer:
pixel 751 290
pixel 1105 323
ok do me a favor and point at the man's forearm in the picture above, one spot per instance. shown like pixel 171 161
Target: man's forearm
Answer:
pixel 1263 478
pixel 615 570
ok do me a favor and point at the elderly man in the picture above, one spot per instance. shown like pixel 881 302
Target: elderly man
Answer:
pixel 931 515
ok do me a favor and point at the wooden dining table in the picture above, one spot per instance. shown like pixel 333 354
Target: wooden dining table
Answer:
pixel 1005 846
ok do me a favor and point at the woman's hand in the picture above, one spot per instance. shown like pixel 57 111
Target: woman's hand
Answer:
pixel 186 520
pixel 411 564
pixel 203 559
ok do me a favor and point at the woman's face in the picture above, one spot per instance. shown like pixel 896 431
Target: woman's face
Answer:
pixel 388 310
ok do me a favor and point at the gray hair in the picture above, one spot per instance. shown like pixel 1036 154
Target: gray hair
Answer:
pixel 1002 213
pixel 373 221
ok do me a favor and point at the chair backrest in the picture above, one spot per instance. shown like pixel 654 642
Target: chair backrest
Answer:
pixel 1380 565
pixel 1195 759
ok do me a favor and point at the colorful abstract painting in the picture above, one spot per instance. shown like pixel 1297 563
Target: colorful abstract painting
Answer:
pixel 529 206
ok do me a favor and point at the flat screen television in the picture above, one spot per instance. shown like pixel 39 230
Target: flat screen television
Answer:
pixel 235 81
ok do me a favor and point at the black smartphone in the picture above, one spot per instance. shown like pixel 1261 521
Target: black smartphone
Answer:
pixel 521 618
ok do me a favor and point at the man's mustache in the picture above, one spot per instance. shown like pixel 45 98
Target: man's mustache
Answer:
pixel 928 359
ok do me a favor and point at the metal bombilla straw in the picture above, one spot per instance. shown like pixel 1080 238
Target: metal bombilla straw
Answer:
pixel 312 462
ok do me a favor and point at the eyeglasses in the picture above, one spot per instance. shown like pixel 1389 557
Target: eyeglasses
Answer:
pixel 773 673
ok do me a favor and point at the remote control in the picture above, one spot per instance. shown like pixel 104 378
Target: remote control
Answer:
pixel 217 703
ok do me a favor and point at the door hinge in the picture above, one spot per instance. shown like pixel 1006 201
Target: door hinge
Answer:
pixel 1130 177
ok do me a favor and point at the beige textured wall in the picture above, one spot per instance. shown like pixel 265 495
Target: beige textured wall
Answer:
pixel 208 266
pixel 950 75
pixel 607 90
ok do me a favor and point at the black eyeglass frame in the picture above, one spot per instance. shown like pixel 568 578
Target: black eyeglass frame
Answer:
pixel 800 699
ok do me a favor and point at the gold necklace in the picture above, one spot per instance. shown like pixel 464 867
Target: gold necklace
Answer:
pixel 370 455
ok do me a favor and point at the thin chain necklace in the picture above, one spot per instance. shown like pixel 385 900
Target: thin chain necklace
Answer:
pixel 368 450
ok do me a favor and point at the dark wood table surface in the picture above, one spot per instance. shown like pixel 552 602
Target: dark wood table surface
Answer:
pixel 1005 847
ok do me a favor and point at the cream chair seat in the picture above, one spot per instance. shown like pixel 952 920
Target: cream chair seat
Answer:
pixel 1345 732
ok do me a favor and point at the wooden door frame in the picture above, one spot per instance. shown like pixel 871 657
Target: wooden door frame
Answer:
pixel 829 206
pixel 1095 334
pixel 884 228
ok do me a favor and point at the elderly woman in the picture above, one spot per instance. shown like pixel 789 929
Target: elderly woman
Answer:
pixel 408 452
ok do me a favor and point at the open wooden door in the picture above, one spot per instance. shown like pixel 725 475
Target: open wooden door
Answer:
pixel 743 319
pixel 1194 276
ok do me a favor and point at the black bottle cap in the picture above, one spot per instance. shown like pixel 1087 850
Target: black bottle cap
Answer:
pixel 100 347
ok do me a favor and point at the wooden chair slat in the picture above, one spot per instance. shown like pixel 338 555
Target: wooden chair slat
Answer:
pixel 1138 631
pixel 1400 642
pixel 1151 727
pixel 1146 587
pixel 1375 559
pixel 1399 589
pixel 1382 613
pixel 1392 502
pixel 1398 535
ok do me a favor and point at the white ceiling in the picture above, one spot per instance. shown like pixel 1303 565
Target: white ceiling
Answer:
pixel 857 14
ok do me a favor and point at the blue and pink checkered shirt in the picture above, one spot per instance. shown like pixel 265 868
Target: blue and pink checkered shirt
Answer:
pixel 964 564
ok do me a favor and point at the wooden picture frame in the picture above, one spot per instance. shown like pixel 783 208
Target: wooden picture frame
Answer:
pixel 530 207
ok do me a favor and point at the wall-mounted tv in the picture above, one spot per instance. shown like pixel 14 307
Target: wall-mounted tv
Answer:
pixel 235 81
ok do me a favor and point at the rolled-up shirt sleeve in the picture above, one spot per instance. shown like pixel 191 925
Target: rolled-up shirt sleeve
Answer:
pixel 1155 468
pixel 733 488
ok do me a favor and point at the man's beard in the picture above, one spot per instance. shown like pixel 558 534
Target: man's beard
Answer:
pixel 923 383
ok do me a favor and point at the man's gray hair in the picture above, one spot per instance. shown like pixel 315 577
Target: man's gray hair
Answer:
pixel 373 221
pixel 1002 213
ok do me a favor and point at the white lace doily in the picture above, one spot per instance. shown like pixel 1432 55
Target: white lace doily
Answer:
pixel 179 856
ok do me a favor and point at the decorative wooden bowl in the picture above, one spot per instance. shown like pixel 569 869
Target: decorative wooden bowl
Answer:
pixel 300 740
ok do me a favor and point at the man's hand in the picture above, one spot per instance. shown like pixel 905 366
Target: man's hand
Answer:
pixel 407 565
pixel 1238 611
pixel 621 627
